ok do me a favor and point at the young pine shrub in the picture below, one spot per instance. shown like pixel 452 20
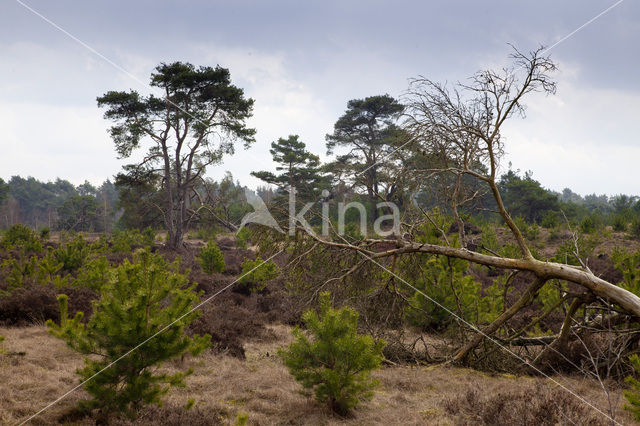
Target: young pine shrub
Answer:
pixel 550 220
pixel 243 236
pixel 635 228
pixel 444 280
pixel 336 363
pixel 633 395
pixel 256 273
pixel 133 313
pixel 211 258
pixel 22 237
pixel 590 224
pixel 72 254
pixel 619 223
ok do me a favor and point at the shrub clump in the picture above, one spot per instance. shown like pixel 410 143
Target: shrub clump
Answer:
pixel 72 254
pixel 211 258
pixel 21 236
pixel 256 273
pixel 137 306
pixel 443 288
pixel 337 362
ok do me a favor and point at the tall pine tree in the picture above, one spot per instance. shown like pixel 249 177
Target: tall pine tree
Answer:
pixel 299 168
pixel 367 130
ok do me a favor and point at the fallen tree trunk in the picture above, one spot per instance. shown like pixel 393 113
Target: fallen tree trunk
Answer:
pixel 543 271
pixel 548 270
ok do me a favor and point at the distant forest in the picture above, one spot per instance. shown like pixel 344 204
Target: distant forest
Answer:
pixel 60 205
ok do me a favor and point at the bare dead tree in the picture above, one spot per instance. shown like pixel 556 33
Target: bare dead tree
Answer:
pixel 459 130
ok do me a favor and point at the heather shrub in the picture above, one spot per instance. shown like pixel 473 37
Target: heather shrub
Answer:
pixel 535 404
pixel 336 362
pixel 211 258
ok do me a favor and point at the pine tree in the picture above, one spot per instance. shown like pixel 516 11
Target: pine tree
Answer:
pixel 300 168
pixel 140 300
pixel 337 362
pixel 368 132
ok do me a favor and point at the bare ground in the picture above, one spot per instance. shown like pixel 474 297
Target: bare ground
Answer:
pixel 37 368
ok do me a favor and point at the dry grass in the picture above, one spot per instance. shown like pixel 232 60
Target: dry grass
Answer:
pixel 222 387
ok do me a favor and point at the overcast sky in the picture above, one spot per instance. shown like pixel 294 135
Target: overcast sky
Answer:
pixel 302 61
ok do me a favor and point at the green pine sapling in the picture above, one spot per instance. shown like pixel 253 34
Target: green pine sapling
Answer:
pixel 337 362
pixel 211 258
pixel 140 299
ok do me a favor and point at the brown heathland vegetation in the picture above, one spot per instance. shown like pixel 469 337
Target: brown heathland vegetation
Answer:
pixel 39 368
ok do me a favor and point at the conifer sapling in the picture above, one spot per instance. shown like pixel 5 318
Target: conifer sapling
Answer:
pixel 140 300
pixel 337 362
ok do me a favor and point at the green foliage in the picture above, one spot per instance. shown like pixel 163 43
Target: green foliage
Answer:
pixel 148 236
pixel 443 280
pixel 299 168
pixel 136 306
pixel 206 233
pixel 72 254
pixel 566 252
pixel 489 238
pixel 633 395
pixel 50 268
pixel 551 293
pixel 256 273
pixel 21 236
pixel 524 196
pixel 4 191
pixel 215 106
pixel 635 228
pixel 20 270
pixel 124 241
pixel 629 265
pixel 24 268
pixel 242 419
pixel 510 250
pixel 79 213
pixel 243 236
pixel 529 231
pixel 619 223
pixel 352 232
pixel 336 363
pixel 550 220
pixel 95 273
pixel 591 224
pixel 211 258
pixel 45 233
pixel 365 132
